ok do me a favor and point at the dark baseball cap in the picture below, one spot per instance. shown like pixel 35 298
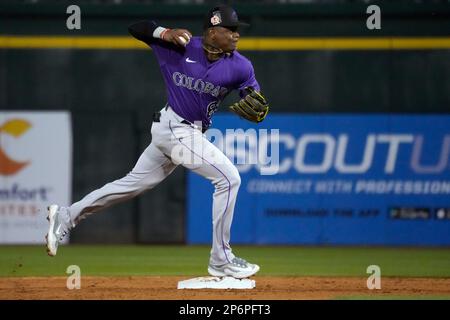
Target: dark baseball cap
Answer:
pixel 222 16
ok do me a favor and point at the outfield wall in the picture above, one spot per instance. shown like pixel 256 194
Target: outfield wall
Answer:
pixel 346 179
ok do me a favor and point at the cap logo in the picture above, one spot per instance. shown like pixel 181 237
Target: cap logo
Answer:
pixel 216 18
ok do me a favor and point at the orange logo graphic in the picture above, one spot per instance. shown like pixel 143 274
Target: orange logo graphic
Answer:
pixel 15 128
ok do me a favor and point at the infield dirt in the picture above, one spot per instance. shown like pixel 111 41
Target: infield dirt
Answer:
pixel 267 288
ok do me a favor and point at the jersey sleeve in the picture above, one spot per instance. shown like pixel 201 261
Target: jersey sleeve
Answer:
pixel 143 31
pixel 248 79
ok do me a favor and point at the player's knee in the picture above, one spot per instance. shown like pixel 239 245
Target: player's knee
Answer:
pixel 235 179
pixel 230 180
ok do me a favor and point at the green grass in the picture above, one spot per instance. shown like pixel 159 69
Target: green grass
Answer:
pixel 118 260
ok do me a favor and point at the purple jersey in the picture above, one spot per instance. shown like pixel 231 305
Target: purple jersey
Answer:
pixel 196 86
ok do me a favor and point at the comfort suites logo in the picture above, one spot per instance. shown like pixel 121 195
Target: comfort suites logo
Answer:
pixel 15 128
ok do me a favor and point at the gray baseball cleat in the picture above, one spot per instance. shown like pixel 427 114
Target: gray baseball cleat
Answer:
pixel 59 227
pixel 237 268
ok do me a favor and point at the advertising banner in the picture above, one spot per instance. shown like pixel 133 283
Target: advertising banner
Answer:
pixel 332 179
pixel 35 171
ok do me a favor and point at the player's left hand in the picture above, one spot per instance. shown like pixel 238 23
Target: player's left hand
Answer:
pixel 253 106
pixel 179 37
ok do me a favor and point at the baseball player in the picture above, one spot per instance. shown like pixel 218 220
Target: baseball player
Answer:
pixel 198 72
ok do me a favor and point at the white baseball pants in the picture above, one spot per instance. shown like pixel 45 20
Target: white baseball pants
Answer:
pixel 175 143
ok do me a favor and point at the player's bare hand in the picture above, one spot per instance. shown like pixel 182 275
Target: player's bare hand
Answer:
pixel 180 37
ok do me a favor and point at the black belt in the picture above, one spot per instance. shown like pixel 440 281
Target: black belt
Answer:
pixel 157 118
pixel 186 122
